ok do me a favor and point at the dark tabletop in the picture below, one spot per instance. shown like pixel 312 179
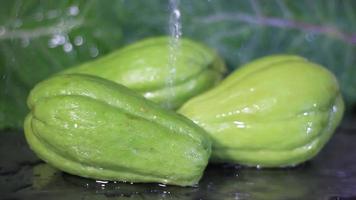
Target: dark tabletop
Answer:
pixel 329 176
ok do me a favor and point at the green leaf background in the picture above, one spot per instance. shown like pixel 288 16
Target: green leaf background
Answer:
pixel 41 37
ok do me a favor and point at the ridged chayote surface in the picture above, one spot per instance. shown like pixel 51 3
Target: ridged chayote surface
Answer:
pixel 92 127
pixel 275 111
pixel 145 66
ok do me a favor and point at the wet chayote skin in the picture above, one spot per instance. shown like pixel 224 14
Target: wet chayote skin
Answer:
pixel 275 111
pixel 93 127
pixel 145 66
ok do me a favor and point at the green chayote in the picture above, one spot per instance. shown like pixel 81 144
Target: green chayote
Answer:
pixel 93 127
pixel 164 75
pixel 275 111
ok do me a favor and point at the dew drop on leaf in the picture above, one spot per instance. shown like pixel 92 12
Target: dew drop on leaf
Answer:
pixel 67 47
pixel 78 40
pixel 94 52
pixel 73 10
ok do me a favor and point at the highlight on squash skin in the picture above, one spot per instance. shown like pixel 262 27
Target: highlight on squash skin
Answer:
pixel 273 112
pixel 95 128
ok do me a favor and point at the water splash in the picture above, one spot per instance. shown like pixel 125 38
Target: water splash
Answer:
pixel 175 29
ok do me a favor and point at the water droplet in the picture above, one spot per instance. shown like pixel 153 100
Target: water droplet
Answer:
pixel 309 127
pixel 246 110
pixel 25 42
pixel 257 107
pixel 223 115
pixel 309 130
pixel 310 146
pixel 2 30
pixel 334 108
pixel 199 123
pixel 38 16
pixel 17 23
pixel 239 124
pixel 53 14
pixel 56 40
pixel 100 181
pixel 94 52
pixel 176 13
pixel 73 11
pixel 78 41
pixel 223 127
pixel 309 37
pixel 148 95
pixel 134 151
pixel 162 185
pixel 67 47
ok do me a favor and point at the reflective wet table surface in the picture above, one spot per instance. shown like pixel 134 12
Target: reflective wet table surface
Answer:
pixel 329 176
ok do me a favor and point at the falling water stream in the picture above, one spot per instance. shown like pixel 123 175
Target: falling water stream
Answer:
pixel 175 30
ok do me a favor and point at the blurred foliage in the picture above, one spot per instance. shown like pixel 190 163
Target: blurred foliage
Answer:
pixel 41 37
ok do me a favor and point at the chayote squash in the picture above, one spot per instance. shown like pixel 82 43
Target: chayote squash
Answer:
pixel 92 127
pixel 144 66
pixel 275 111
